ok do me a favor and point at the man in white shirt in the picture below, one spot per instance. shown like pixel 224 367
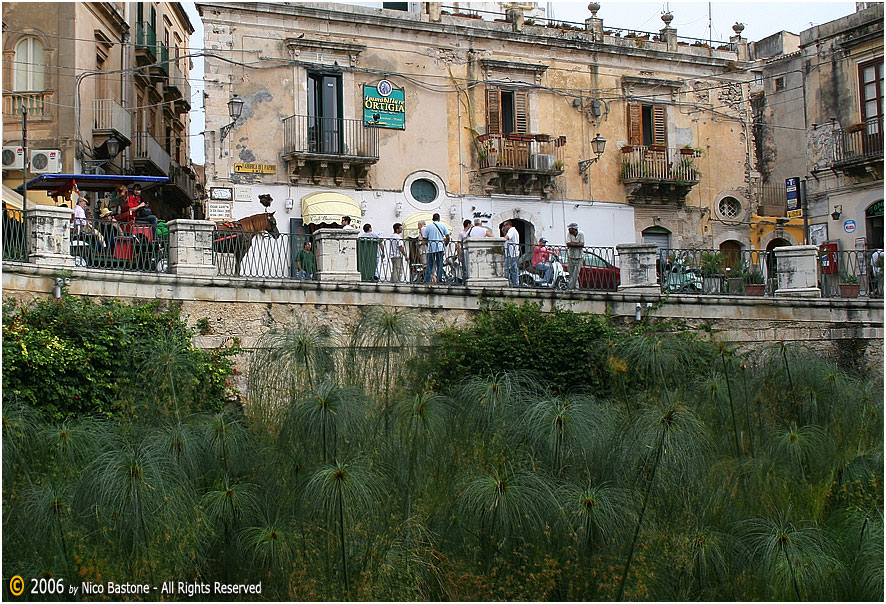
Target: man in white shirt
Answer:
pixel 512 252
pixel 80 212
pixel 346 224
pixel 478 230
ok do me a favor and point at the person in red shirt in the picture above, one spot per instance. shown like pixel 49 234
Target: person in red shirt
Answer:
pixel 130 211
pixel 540 259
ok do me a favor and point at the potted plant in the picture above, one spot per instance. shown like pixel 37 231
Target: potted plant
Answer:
pixel 848 285
pixel 558 165
pixel 754 284
pixel 627 149
pixel 687 150
pixel 712 271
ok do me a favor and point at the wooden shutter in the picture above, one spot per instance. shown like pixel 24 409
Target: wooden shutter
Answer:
pixel 635 125
pixel 521 112
pixel 659 126
pixel 493 111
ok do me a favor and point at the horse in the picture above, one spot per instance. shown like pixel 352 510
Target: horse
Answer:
pixel 236 237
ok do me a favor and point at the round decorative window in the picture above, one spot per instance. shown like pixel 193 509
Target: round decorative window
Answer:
pixel 423 190
pixel 729 207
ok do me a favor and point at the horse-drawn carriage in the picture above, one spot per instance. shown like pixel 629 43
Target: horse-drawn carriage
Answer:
pixel 104 242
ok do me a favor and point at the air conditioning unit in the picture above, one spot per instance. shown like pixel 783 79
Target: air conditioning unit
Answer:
pixel 46 161
pixel 542 161
pixel 13 158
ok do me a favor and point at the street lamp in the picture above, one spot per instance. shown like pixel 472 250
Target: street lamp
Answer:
pixel 598 145
pixel 235 108
pixel 110 149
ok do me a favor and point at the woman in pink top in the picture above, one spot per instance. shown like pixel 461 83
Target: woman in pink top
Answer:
pixel 540 256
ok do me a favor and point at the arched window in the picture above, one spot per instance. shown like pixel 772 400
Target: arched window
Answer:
pixel 28 66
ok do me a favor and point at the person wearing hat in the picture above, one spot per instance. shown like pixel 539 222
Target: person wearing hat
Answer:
pixel 108 226
pixel 541 260
pixel 575 243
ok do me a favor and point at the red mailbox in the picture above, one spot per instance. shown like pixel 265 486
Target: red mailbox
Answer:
pixel 827 252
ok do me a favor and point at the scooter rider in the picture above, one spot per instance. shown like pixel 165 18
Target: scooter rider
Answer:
pixel 540 260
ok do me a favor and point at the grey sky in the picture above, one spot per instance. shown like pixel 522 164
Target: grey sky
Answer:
pixel 690 19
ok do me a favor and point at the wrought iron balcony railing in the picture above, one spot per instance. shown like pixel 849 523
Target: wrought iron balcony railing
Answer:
pixel 146 39
pixel 859 142
pixel 659 163
pixel 540 152
pixel 310 135
pixel 148 149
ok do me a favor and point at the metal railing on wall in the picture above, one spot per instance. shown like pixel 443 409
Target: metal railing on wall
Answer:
pixel 521 151
pixel 126 246
pixel 15 245
pixel 656 162
pixel 717 272
pixel 238 253
pixel 851 274
pixel 859 141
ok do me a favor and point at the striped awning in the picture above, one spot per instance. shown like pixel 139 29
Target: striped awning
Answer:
pixel 410 225
pixel 11 198
pixel 327 207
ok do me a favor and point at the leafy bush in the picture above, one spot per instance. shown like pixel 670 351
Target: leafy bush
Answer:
pixel 566 349
pixel 72 357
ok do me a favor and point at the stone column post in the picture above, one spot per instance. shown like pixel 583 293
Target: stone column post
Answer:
pixel 49 236
pixel 669 35
pixel 485 262
pixel 190 248
pixel 435 11
pixel 336 251
pixel 797 268
pixel 637 268
pixel 594 26
pixel 515 15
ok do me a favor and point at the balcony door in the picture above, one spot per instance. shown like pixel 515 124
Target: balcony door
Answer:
pixel 870 79
pixel 325 132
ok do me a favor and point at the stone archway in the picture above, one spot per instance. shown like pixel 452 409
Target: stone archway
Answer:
pixel 523 221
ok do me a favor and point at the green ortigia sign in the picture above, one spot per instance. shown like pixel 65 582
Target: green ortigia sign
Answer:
pixel 384 106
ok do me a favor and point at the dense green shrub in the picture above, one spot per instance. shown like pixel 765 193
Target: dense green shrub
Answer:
pixel 71 357
pixel 567 350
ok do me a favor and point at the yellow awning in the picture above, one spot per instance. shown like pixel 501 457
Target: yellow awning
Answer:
pixel 410 225
pixel 328 208
pixel 11 198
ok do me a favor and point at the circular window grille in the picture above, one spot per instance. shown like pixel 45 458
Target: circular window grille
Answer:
pixel 730 207
pixel 423 190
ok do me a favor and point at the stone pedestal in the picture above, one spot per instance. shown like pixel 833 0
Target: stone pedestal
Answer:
pixel 594 26
pixel 49 236
pixel 485 262
pixel 190 248
pixel 637 268
pixel 435 11
pixel 797 269
pixel 515 16
pixel 669 35
pixel 336 251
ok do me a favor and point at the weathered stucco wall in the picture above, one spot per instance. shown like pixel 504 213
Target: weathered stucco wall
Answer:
pixel 849 330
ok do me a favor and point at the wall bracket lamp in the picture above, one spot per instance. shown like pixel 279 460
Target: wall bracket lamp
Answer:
pixel 838 210
pixel 598 145
pixel 235 108
pixel 110 149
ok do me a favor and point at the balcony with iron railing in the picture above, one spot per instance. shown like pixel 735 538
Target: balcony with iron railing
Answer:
pixel 659 172
pixel 178 89
pixel 37 102
pixel 181 178
pixel 772 200
pixel 520 163
pixel 859 146
pixel 159 71
pixel 145 44
pixel 150 155
pixel 110 117
pixel 336 149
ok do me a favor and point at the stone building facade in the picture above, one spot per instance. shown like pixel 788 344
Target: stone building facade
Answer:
pixel 819 116
pixel 93 71
pixel 399 114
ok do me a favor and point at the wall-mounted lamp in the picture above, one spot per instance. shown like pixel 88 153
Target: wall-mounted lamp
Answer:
pixel 109 149
pixel 398 209
pixel 235 108
pixel 363 207
pixel 288 205
pixel 452 211
pixel 838 209
pixel 598 145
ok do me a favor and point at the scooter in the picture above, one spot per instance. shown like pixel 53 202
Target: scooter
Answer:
pixel 679 278
pixel 532 277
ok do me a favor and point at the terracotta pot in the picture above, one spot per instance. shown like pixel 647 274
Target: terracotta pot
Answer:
pixel 849 290
pixel 754 289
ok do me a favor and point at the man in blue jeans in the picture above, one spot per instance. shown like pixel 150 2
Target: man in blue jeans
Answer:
pixel 436 236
